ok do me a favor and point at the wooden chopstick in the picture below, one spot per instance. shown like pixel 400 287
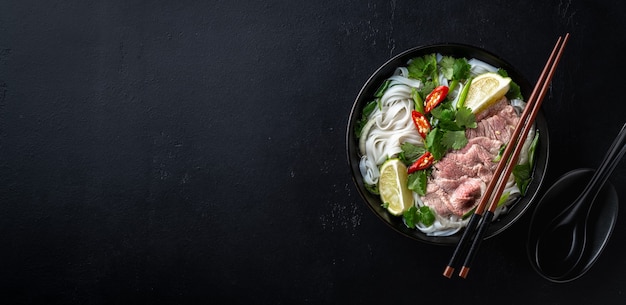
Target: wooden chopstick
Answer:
pixel 506 165
pixel 529 120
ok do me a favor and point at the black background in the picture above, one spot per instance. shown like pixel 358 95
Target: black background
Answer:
pixel 194 151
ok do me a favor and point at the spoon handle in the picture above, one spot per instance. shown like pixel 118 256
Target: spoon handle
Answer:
pixel 610 161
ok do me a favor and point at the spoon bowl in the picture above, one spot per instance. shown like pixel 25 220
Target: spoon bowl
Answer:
pixel 575 259
pixel 560 247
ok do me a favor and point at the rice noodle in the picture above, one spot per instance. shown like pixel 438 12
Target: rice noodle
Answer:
pixel 390 125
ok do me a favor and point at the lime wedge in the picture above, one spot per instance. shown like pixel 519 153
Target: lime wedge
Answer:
pixel 392 186
pixel 485 90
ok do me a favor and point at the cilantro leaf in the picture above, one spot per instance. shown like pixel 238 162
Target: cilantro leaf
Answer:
pixel 465 118
pixel 454 139
pixel 502 72
pixel 428 87
pixel 423 67
pixel 427 217
pixel 423 215
pixel 417 181
pixel 410 217
pixel 415 215
pixel 461 69
pixel 410 153
pixel 449 125
pixel 449 132
pixel 515 91
pixel 447 66
pixel 433 143
pixel 455 70
pixel 444 112
pixel 454 119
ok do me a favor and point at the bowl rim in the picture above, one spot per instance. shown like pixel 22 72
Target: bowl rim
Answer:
pixel 517 210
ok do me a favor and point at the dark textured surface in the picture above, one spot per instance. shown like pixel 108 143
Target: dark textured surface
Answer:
pixel 189 152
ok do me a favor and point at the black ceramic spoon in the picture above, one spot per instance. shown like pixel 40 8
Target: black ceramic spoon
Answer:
pixel 561 246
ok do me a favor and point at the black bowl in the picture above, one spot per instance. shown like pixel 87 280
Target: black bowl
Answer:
pixel 366 94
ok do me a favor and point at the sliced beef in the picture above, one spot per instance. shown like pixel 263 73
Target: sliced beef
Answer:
pixel 459 179
pixel 466 196
pixel 494 127
pixel 447 185
pixel 492 145
pixel 437 199
pixel 494 109
pixel 499 126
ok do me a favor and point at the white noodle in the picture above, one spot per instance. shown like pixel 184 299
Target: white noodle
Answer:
pixel 480 67
pixel 401 76
pixel 390 125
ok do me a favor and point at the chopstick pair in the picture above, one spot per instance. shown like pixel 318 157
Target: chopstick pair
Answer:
pixel 480 220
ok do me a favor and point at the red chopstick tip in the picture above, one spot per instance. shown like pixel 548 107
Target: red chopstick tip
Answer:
pixel 464 271
pixel 448 272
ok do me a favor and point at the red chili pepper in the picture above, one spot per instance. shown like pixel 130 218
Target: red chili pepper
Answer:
pixel 423 162
pixel 421 123
pixel 435 97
